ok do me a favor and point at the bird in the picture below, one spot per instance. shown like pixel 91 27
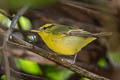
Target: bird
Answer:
pixel 66 40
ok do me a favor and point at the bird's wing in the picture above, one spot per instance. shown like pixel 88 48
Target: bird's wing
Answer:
pixel 81 32
pixel 71 31
pixel 60 29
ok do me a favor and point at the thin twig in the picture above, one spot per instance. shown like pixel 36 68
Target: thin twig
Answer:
pixel 28 75
pixel 85 9
pixel 13 24
pixel 57 59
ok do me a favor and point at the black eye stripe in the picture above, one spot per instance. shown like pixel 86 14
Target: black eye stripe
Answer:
pixel 45 28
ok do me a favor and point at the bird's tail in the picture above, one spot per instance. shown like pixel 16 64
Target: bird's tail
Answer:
pixel 102 34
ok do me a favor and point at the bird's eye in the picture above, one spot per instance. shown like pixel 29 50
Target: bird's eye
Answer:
pixel 44 28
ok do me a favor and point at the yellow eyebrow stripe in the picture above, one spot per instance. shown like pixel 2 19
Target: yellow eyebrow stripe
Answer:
pixel 46 25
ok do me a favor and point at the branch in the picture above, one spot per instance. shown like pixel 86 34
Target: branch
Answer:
pixel 90 9
pixel 6 37
pixel 52 56
pixel 27 75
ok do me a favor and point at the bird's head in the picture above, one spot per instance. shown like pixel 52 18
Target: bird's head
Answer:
pixel 44 28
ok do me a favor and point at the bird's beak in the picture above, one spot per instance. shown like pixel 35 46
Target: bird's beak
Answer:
pixel 35 31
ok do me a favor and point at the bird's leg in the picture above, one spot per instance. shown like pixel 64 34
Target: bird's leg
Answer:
pixel 74 58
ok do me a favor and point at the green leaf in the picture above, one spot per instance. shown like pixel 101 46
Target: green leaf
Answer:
pixel 3 77
pixel 84 78
pixel 5 21
pixel 115 58
pixel 31 37
pixel 57 74
pixel 28 66
pixel 102 62
pixel 25 23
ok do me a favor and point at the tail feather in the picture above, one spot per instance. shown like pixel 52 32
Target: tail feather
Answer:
pixel 97 35
pixel 102 34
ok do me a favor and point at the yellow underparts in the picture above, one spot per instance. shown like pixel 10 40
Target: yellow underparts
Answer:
pixel 66 45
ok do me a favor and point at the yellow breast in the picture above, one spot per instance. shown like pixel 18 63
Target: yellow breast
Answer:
pixel 66 45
